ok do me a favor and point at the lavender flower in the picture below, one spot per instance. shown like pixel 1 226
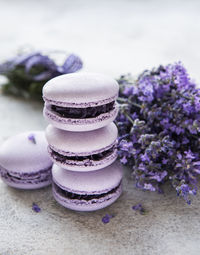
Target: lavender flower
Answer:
pixel 27 73
pixel 106 218
pixel 31 138
pixel 159 128
pixel 139 207
pixel 36 208
pixel 44 62
pixel 72 64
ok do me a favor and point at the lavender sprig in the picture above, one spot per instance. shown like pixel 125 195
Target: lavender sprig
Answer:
pixel 159 127
pixel 27 73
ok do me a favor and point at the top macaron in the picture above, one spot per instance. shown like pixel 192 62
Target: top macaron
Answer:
pixel 80 101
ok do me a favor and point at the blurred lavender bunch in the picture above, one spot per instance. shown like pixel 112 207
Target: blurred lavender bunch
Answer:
pixel 27 73
pixel 159 128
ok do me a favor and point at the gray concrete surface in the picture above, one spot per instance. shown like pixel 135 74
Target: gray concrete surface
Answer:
pixel 112 37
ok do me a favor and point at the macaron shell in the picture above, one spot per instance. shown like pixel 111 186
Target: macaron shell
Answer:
pixel 79 142
pixel 19 154
pixel 80 125
pixel 80 88
pixel 88 206
pixel 94 182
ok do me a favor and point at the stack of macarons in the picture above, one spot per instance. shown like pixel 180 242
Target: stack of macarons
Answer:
pixel 82 139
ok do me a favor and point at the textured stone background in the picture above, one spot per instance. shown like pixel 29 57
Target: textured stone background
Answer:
pixel 112 37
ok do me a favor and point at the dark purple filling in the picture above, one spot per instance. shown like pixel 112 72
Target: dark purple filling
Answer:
pixel 71 195
pixel 41 176
pixel 96 157
pixel 82 113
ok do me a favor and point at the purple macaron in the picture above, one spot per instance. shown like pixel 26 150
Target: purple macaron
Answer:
pixel 24 161
pixel 83 151
pixel 87 191
pixel 80 101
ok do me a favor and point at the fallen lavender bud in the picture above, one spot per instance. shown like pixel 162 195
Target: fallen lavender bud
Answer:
pixel 36 208
pixel 139 208
pixel 106 218
pixel 31 138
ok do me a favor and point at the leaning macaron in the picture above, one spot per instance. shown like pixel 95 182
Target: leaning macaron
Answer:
pixel 24 161
pixel 87 191
pixel 83 151
pixel 80 101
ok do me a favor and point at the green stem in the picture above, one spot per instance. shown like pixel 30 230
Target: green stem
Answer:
pixel 135 104
pixel 181 95
pixel 128 117
pixel 123 100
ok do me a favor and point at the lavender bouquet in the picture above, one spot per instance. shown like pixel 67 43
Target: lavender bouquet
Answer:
pixel 27 73
pixel 159 128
